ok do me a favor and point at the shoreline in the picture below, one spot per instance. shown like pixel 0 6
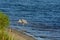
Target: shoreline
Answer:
pixel 21 34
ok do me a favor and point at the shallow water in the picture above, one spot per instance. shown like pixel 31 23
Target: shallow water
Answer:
pixel 43 17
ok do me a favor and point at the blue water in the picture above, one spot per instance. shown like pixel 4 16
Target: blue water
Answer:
pixel 43 17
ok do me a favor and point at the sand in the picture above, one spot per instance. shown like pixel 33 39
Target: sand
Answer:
pixel 19 35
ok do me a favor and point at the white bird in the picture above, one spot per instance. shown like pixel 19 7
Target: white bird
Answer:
pixel 23 21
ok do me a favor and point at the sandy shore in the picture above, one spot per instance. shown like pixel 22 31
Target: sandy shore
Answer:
pixel 19 35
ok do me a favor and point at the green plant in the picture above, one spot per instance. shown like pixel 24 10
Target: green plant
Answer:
pixel 6 36
pixel 4 23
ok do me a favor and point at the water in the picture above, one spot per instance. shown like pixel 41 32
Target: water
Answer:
pixel 43 17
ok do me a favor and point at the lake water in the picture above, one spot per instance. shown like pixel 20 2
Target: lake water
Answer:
pixel 43 17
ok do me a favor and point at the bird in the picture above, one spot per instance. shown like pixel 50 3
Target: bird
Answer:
pixel 22 21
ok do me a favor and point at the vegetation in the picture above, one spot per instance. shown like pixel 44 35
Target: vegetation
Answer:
pixel 4 23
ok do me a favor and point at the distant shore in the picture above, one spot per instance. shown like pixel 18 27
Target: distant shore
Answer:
pixel 20 35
